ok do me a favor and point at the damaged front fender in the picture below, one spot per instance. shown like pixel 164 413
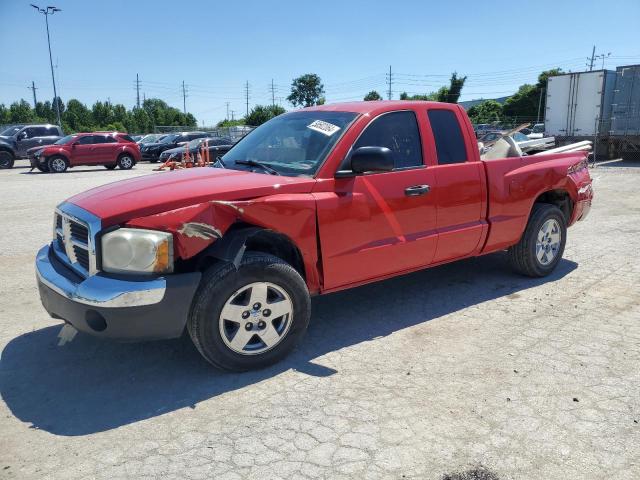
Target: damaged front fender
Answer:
pixel 194 228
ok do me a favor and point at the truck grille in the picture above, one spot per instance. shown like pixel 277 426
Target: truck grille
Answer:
pixel 72 243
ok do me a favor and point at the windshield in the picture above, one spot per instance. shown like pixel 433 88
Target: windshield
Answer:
pixel 7 132
pixel 64 140
pixel 168 139
pixel 293 144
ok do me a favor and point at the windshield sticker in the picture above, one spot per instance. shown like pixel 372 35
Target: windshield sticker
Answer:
pixel 325 128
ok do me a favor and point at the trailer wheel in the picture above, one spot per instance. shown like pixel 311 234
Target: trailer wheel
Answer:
pixel 542 244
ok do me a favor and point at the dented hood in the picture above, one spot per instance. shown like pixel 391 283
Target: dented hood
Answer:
pixel 151 194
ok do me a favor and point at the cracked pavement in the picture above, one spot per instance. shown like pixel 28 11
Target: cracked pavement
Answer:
pixel 458 367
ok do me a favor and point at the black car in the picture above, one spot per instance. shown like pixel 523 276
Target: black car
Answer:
pixel 152 151
pixel 218 146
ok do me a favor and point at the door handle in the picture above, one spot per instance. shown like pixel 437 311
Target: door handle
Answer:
pixel 416 190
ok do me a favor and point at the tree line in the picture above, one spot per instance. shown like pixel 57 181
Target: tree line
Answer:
pixel 306 90
pixel 525 104
pixel 77 117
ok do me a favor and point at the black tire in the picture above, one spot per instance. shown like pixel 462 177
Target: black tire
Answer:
pixel 522 256
pixel 125 161
pixel 110 167
pixel 57 164
pixel 154 160
pixel 44 168
pixel 6 159
pixel 219 284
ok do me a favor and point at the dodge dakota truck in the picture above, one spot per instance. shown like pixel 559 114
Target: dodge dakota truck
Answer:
pixel 313 201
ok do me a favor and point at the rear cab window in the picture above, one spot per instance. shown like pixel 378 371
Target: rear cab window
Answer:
pixel 450 143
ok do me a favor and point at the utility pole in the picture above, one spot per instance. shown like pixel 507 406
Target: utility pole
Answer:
pixel 246 92
pixel 184 98
pixel 137 90
pixel 592 58
pixel 46 12
pixel 603 56
pixel 227 117
pixel 233 115
pixel 33 89
pixel 390 80
pixel 273 94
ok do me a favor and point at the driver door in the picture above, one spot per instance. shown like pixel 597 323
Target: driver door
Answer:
pixel 378 224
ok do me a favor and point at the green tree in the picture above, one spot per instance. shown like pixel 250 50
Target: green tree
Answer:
pixel 21 112
pixel 526 102
pixel 371 96
pixel 45 113
pixel 449 94
pixel 4 114
pixel 486 112
pixel 306 90
pixel 77 117
pixel 455 88
pixel 226 123
pixel 260 114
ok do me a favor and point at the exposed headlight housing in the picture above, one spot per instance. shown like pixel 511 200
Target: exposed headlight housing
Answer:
pixel 133 250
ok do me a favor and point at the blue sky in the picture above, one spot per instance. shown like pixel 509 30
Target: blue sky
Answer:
pixel 215 47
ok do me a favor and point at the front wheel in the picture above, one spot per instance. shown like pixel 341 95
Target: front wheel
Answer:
pixel 542 244
pixel 251 317
pixel 125 162
pixel 6 159
pixel 57 164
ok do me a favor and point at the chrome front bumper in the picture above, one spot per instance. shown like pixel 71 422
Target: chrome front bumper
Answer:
pixel 99 290
pixel 120 308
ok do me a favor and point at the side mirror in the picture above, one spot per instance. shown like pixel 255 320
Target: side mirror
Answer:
pixel 74 144
pixel 372 159
pixel 22 136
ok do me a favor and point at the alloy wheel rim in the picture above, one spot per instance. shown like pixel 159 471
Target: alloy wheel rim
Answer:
pixel 125 162
pixel 256 318
pixel 58 164
pixel 548 241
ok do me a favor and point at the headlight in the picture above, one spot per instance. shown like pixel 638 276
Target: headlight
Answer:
pixel 133 250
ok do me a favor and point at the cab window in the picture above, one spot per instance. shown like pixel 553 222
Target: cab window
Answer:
pixel 450 144
pixel 397 131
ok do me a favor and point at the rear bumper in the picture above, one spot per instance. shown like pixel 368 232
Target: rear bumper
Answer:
pixel 116 308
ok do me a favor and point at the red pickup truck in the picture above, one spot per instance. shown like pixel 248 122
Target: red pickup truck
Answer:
pixel 313 201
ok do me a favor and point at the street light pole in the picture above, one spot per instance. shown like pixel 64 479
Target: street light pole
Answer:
pixel 46 12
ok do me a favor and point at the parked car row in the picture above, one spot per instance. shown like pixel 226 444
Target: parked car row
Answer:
pixel 50 151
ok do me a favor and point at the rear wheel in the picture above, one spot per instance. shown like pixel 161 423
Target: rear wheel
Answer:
pixel 125 161
pixel 6 159
pixel 250 317
pixel 57 164
pixel 542 244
